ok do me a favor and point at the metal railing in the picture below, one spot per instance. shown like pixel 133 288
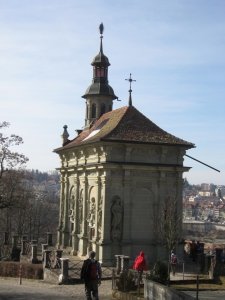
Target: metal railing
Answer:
pixel 75 269
pixel 53 262
pixel 28 249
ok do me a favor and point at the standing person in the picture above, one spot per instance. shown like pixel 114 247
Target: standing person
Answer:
pixel 174 261
pixel 193 250
pixel 91 272
pixel 140 265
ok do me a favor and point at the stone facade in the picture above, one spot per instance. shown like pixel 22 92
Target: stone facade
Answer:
pixel 111 193
pixel 115 175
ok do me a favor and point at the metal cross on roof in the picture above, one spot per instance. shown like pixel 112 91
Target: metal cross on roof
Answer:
pixel 130 90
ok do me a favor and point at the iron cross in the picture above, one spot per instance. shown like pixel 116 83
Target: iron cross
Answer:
pixel 130 80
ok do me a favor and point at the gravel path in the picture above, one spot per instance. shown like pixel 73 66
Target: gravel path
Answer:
pixel 38 289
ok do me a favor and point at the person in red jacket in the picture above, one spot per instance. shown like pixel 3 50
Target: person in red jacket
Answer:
pixel 140 265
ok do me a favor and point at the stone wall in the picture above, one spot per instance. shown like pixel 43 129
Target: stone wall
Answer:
pixel 156 291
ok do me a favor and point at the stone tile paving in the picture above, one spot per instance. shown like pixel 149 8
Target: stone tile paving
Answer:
pixel 38 290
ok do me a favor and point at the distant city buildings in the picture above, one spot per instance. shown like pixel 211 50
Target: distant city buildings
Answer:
pixel 44 188
pixel 204 202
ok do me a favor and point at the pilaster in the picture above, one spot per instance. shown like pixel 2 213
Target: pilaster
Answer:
pixel 75 239
pixel 65 234
pixel 83 234
pixel 61 210
pixel 126 207
pixel 106 208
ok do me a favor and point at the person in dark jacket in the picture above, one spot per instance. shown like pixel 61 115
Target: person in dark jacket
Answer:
pixel 91 273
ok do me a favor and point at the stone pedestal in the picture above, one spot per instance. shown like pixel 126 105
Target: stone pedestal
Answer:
pixel 47 259
pixel 118 263
pixel 201 261
pixel 34 252
pixel 14 241
pixel 218 253
pixel 49 239
pixel 207 263
pixel 23 243
pixel 126 260
pixel 43 248
pixel 63 277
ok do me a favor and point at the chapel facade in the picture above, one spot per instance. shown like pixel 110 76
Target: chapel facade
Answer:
pixel 115 174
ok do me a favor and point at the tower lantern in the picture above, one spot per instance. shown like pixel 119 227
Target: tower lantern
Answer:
pixel 99 95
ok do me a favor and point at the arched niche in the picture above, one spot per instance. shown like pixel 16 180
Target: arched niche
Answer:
pixel 142 214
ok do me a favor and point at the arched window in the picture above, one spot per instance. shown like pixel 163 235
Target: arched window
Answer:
pixel 87 109
pixel 93 110
pixel 98 72
pixel 102 109
pixel 102 72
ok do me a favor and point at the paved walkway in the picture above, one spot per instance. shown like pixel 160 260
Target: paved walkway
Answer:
pixel 207 295
pixel 40 290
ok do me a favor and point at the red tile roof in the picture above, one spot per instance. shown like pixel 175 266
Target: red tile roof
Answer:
pixel 126 124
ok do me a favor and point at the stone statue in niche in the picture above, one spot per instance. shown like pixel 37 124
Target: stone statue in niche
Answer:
pixel 116 219
pixel 80 214
pixel 100 218
pixel 91 215
pixel 71 213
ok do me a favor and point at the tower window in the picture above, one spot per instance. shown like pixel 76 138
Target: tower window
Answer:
pixel 110 107
pixel 102 109
pixel 87 109
pixel 93 110
pixel 98 72
pixel 102 72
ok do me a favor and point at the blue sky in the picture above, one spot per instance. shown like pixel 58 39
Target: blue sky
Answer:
pixel 174 49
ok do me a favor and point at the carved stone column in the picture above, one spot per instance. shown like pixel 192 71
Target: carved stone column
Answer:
pixel 49 239
pixel 97 211
pixel 61 211
pixel 83 234
pixel 106 209
pixel 127 208
pixel 65 235
pixel 75 233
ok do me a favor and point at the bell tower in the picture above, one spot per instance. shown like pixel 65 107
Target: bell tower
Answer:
pixel 99 95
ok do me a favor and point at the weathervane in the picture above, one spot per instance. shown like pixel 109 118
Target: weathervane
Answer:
pixel 101 29
pixel 130 90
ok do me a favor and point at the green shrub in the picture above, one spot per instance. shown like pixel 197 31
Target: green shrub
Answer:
pixel 159 272
pixel 11 269
pixel 126 282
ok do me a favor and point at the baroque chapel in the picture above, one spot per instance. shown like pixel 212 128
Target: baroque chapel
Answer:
pixel 115 175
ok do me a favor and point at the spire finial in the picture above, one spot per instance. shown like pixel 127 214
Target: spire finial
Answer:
pixel 65 135
pixel 101 29
pixel 130 90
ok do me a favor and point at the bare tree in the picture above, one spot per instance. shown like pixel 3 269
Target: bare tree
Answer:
pixel 168 227
pixel 12 175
